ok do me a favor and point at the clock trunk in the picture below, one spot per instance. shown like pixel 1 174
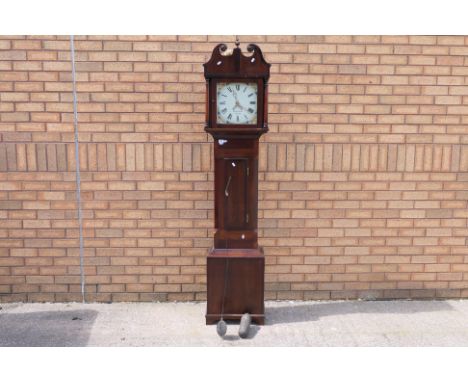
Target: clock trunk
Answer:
pixel 236 193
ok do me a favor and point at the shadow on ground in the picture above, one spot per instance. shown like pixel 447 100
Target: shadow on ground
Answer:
pixel 313 312
pixel 50 328
pixel 233 327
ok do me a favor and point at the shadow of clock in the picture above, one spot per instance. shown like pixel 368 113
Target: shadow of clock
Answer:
pixel 314 311
pixel 254 329
pixel 231 337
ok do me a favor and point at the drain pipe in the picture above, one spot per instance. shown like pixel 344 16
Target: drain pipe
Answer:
pixel 77 163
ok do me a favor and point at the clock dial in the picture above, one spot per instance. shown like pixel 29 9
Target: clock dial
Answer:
pixel 237 103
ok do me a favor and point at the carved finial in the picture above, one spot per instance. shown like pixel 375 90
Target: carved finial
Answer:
pixel 237 42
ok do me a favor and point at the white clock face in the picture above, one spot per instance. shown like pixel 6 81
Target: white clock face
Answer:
pixel 237 103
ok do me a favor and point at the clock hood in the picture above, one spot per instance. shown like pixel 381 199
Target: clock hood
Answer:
pixel 237 65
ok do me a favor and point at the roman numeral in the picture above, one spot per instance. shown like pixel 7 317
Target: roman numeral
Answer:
pixel 229 89
pixel 252 102
pixel 237 117
pixel 251 94
pixel 250 110
pixel 222 103
pixel 229 116
pixel 237 87
pixel 224 110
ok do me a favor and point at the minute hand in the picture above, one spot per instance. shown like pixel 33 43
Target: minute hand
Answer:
pixel 238 105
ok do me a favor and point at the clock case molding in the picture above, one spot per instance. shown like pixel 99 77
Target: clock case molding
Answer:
pixel 236 264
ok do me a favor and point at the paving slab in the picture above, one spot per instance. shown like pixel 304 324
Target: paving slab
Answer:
pixel 288 323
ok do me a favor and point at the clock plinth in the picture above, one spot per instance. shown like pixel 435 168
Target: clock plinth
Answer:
pixel 236 117
pixel 235 279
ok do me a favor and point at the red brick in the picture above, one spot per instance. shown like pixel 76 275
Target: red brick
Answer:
pixel 362 174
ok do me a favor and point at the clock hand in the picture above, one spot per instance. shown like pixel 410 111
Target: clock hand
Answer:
pixel 237 100
pixel 238 105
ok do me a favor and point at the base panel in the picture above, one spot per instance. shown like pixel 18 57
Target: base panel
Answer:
pixel 235 285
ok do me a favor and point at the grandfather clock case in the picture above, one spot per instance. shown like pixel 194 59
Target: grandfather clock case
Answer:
pixel 236 117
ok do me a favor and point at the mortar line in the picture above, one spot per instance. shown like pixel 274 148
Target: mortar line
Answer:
pixel 77 164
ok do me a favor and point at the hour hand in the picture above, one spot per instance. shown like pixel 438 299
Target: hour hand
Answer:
pixel 237 105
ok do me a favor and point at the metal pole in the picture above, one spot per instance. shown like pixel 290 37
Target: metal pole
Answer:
pixel 77 163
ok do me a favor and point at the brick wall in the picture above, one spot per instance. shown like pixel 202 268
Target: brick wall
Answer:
pixel 363 175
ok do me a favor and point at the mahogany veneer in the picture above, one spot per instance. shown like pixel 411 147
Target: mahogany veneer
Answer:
pixel 236 265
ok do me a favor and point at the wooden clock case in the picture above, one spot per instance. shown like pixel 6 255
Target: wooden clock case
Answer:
pixel 235 264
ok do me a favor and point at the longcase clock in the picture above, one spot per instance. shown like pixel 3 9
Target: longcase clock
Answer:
pixel 236 117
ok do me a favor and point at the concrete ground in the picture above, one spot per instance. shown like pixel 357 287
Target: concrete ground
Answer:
pixel 335 323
